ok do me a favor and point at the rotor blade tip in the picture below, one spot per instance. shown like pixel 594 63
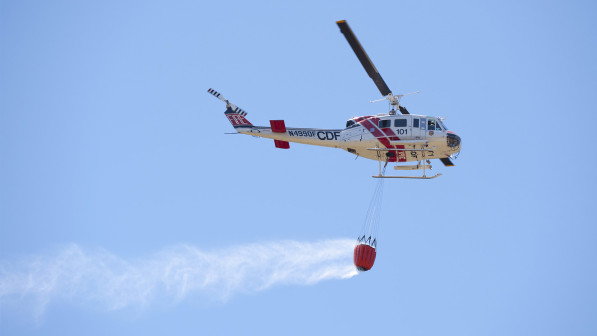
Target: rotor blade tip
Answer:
pixel 341 21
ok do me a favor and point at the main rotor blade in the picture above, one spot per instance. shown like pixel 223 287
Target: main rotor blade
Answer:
pixel 362 56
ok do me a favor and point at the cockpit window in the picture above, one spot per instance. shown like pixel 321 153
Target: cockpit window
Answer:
pixel 431 124
pixel 400 123
pixel 438 126
pixel 385 123
pixel 350 123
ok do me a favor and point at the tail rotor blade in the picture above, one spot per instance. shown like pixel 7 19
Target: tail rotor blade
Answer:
pixel 363 57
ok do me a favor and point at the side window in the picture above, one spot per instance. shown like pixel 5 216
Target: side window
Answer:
pixel 431 124
pixel 438 126
pixel 400 123
pixel 384 123
pixel 416 123
pixel 423 123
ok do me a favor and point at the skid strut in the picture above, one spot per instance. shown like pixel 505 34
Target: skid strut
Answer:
pixel 419 166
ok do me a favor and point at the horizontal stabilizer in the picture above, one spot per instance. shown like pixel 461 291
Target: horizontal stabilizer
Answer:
pixel 278 126
pixel 282 144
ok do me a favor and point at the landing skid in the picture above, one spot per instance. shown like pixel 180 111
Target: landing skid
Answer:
pixel 419 166
pixel 409 177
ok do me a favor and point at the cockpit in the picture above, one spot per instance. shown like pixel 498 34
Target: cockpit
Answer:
pixel 416 122
pixel 436 125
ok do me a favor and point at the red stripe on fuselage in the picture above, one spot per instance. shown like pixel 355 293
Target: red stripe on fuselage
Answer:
pixel 383 136
pixel 390 134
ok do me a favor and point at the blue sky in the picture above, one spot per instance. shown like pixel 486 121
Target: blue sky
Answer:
pixel 110 147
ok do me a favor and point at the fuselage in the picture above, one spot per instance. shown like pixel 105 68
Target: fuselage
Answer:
pixel 426 136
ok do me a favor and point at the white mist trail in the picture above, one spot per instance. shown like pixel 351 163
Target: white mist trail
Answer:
pixel 99 277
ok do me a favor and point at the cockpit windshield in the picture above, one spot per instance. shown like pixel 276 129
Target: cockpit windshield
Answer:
pixel 436 124
pixel 350 123
pixel 443 125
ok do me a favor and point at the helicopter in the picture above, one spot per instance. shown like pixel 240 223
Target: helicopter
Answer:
pixel 386 138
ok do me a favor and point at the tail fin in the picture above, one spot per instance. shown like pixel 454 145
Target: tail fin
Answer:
pixel 237 119
pixel 235 114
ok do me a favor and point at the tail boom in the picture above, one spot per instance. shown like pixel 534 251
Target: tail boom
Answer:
pixel 278 130
pixel 307 136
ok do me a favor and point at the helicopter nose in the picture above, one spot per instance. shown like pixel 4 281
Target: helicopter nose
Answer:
pixel 453 140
